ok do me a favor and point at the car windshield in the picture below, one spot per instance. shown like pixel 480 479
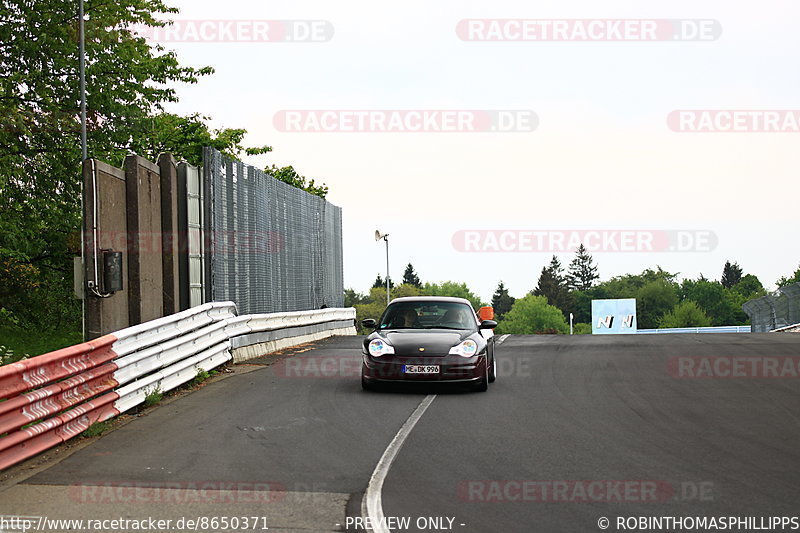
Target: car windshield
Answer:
pixel 428 315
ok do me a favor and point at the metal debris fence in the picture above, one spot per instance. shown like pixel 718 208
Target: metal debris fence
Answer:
pixel 777 310
pixel 271 247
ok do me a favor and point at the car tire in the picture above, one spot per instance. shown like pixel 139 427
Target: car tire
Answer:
pixel 483 384
pixel 493 368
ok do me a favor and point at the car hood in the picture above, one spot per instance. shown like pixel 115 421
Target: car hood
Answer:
pixel 433 342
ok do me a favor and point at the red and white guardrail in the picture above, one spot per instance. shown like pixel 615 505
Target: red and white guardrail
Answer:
pixel 49 399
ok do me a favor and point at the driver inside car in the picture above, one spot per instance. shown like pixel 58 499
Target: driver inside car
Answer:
pixel 457 318
pixel 406 319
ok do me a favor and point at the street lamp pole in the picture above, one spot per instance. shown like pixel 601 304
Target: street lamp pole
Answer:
pixel 82 68
pixel 385 237
pixel 84 153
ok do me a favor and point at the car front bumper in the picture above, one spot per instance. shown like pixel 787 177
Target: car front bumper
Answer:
pixel 452 369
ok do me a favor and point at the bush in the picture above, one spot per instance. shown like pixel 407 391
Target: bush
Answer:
pixel 533 315
pixel 201 376
pixel 36 299
pixel 686 314
pixel 582 328
pixel 153 397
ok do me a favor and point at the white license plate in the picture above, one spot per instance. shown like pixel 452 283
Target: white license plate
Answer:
pixel 421 369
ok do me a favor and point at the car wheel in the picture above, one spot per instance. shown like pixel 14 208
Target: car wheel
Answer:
pixel 483 384
pixel 493 368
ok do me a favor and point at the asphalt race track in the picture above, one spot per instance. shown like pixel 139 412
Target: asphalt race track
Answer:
pixel 574 430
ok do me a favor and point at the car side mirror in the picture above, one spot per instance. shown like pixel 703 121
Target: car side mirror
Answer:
pixel 488 324
pixel 369 323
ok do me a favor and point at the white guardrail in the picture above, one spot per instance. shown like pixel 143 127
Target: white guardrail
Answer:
pixel 48 399
pixel 794 328
pixel 168 352
pixel 714 329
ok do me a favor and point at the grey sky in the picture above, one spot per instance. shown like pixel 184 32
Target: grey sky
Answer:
pixel 602 156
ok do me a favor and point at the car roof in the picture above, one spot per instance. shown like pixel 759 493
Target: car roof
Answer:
pixel 448 299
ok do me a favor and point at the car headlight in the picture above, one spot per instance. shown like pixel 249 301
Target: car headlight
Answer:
pixel 468 348
pixel 379 347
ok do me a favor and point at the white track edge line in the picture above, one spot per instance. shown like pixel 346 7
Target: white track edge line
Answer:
pixel 372 504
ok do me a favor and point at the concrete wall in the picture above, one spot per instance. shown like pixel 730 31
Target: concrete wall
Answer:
pixel 137 214
pixel 104 315
pixel 145 268
pixel 169 225
pixel 183 237
pixel 252 351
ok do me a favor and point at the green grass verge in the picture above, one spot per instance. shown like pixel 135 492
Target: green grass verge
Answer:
pixel 96 429
pixel 19 342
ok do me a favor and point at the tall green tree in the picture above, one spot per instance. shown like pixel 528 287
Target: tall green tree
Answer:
pixel 788 280
pixel 453 289
pixel 410 276
pixel 40 153
pixel 750 287
pixel 720 304
pixel 625 286
pixel 653 300
pixel 372 307
pixel 731 274
pixel 582 271
pixel 405 289
pixel 552 285
pixel 501 301
pixel 185 138
pixel 381 283
pixel 353 298
pixel 582 303
pixel 129 83
pixel 292 177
